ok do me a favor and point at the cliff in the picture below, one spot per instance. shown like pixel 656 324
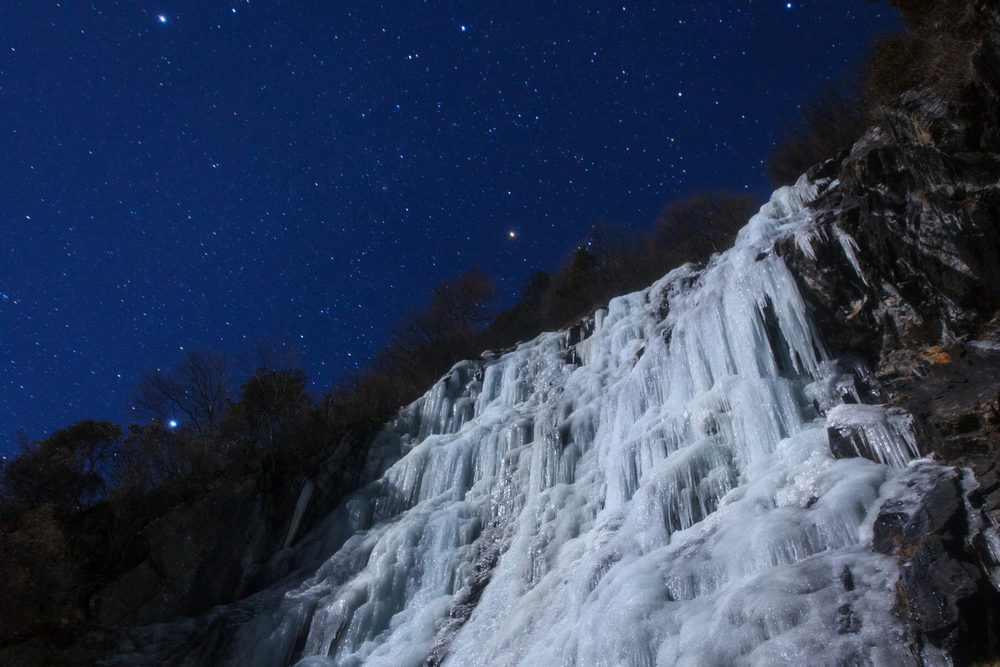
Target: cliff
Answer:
pixel 788 455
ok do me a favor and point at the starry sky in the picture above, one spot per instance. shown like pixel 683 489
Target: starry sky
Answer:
pixel 179 175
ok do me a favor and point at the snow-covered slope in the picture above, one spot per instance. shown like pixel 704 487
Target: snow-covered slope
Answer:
pixel 661 493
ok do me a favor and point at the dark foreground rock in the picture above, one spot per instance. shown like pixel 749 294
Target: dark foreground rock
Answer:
pixel 935 533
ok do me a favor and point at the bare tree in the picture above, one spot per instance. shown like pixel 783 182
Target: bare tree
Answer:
pixel 617 250
pixel 273 403
pixel 458 305
pixel 196 391
pixel 270 355
pixel 691 229
pixel 464 302
pixel 428 340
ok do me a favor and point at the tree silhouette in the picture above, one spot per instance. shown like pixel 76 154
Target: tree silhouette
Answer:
pixel 66 470
pixel 197 391
pixel 272 402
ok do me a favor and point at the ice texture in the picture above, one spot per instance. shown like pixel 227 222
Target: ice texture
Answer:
pixel 665 495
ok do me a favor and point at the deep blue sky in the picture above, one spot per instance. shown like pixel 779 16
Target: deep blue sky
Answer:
pixel 180 174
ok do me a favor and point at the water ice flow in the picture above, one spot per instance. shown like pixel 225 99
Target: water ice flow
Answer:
pixel 671 500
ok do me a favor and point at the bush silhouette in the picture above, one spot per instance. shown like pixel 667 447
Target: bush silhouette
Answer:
pixel 66 470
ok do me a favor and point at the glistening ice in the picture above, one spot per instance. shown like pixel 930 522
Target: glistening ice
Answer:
pixel 661 492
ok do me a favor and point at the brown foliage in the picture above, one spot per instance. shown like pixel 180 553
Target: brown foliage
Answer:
pixel 272 407
pixel 615 260
pixel 428 341
pixel 463 303
pixel 693 228
pixel 365 401
pixel 572 291
pixel 153 455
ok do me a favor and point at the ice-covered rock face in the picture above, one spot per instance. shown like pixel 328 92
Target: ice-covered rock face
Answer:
pixel 671 500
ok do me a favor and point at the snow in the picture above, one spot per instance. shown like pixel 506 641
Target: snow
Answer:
pixel 672 500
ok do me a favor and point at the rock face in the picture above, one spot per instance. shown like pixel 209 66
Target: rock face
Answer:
pixel 225 544
pixel 904 271
pixel 920 197
pixel 203 553
pixel 933 539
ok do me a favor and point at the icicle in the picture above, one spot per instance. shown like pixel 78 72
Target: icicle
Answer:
pixel 671 500
pixel 874 432
pixel 850 247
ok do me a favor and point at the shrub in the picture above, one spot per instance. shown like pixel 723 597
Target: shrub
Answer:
pixel 66 470
pixel 572 289
pixel 153 455
pixel 428 341
pixel 38 588
pixel 935 52
pixel 693 228
pixel 534 285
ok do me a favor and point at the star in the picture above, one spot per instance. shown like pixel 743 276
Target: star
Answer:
pixel 244 164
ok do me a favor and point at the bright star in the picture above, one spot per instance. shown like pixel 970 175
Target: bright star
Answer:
pixel 512 234
pixel 172 423
pixel 162 18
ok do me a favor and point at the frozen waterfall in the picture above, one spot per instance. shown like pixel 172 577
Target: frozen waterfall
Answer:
pixel 660 493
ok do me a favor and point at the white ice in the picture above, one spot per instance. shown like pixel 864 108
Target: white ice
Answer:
pixel 670 501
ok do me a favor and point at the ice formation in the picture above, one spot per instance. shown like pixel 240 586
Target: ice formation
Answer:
pixel 663 492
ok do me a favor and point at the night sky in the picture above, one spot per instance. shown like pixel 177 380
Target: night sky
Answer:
pixel 182 175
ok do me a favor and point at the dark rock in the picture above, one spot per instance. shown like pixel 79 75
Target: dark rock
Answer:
pixel 930 528
pixel 992 503
pixel 137 598
pixel 983 467
pixel 847 579
pixel 581 330
pixel 844 443
pixel 935 581
pixel 888 530
pixel 989 482
pixel 203 553
pixel 31 653
pixel 847 622
pixel 953 391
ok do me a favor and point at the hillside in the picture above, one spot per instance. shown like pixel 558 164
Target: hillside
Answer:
pixel 784 456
